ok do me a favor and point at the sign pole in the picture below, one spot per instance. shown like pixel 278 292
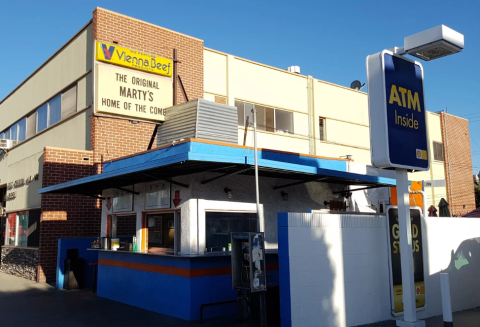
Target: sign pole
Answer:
pixel 406 256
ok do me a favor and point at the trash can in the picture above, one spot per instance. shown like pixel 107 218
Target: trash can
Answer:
pixel 74 270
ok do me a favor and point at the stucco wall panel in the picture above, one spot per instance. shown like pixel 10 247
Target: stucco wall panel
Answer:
pixel 26 159
pixel 280 142
pixel 215 72
pixel 268 86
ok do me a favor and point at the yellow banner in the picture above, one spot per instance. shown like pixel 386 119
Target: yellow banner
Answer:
pixel 419 296
pixel 114 54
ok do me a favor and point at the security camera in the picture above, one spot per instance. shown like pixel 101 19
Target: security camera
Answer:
pixel 434 43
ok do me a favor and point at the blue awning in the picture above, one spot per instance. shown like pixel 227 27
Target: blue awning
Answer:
pixel 195 156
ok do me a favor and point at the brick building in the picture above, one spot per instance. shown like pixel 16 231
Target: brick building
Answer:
pixel 59 135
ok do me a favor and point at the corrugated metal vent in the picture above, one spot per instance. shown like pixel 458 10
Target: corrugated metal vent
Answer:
pixel 200 119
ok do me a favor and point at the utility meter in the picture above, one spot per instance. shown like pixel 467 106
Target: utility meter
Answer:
pixel 248 261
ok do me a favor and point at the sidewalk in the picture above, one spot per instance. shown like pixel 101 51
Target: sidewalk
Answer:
pixel 25 303
pixel 467 318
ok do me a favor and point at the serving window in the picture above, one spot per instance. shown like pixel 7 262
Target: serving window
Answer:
pixel 162 232
pixel 219 225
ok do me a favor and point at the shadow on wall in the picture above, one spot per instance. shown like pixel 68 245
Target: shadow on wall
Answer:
pixel 308 277
pixel 464 275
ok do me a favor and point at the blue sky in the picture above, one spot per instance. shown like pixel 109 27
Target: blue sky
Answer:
pixel 327 39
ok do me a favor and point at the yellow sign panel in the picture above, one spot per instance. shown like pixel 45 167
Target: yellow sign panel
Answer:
pixel 419 296
pixel 132 94
pixel 114 54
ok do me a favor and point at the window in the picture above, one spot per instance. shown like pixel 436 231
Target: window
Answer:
pixel 219 225
pixel 283 121
pixel 55 110
pixel 7 134
pixel 14 132
pixel 2 135
pixel 268 119
pixel 438 151
pixel 322 128
pixel 240 112
pixel 22 126
pixel 10 229
pixel 31 124
pixel 42 117
pixel 22 228
pixel 161 231
pixel 69 102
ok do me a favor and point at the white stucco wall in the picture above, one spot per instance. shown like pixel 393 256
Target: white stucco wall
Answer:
pixel 199 198
pixel 339 272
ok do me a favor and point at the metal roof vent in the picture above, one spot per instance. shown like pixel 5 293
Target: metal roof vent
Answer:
pixel 294 69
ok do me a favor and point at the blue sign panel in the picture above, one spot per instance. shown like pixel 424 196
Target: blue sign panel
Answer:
pixel 406 118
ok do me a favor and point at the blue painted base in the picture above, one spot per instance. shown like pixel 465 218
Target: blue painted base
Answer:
pixel 170 294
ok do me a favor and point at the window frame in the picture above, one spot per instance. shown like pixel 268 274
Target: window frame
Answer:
pixel 266 128
pixel 438 144
pixel 322 129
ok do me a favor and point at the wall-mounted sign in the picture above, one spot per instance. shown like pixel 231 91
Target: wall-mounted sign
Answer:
pixel 157 195
pixel 398 124
pixel 435 183
pixel 394 254
pixel 132 94
pixel 114 54
pixel 122 200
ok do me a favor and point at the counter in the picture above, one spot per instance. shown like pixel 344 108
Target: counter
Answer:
pixel 171 284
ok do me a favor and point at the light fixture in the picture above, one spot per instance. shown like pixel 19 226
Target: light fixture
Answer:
pixel 228 191
pixel 434 43
pixel 284 196
pixel 134 121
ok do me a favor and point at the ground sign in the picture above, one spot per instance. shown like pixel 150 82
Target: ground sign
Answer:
pixel 398 127
pixel 395 265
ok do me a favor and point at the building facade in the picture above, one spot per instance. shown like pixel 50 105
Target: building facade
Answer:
pixel 60 134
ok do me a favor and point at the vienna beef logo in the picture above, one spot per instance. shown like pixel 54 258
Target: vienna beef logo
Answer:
pixel 108 51
pixel 133 59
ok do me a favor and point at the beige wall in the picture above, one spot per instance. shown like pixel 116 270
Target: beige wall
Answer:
pixel 215 72
pixel 26 159
pixel 345 110
pixel 67 66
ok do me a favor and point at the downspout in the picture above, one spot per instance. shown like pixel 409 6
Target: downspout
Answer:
pixel 311 119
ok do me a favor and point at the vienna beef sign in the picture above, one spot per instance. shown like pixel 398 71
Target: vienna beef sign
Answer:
pixel 132 94
pixel 116 55
pixel 398 124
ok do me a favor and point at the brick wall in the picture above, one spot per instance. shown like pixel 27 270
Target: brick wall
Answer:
pixel 64 215
pixel 112 138
pixel 458 164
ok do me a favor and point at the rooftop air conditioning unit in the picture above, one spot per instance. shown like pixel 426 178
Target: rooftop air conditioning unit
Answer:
pixel 7 144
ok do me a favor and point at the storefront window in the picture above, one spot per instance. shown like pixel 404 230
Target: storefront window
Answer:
pixel 10 229
pixel 219 225
pixel 22 229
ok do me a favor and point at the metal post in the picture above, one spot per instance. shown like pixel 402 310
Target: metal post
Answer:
pixel 263 307
pixel 175 61
pixel 446 300
pixel 256 166
pixel 406 256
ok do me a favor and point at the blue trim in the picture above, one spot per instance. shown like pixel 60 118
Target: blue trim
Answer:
pixel 284 271
pixel 221 153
